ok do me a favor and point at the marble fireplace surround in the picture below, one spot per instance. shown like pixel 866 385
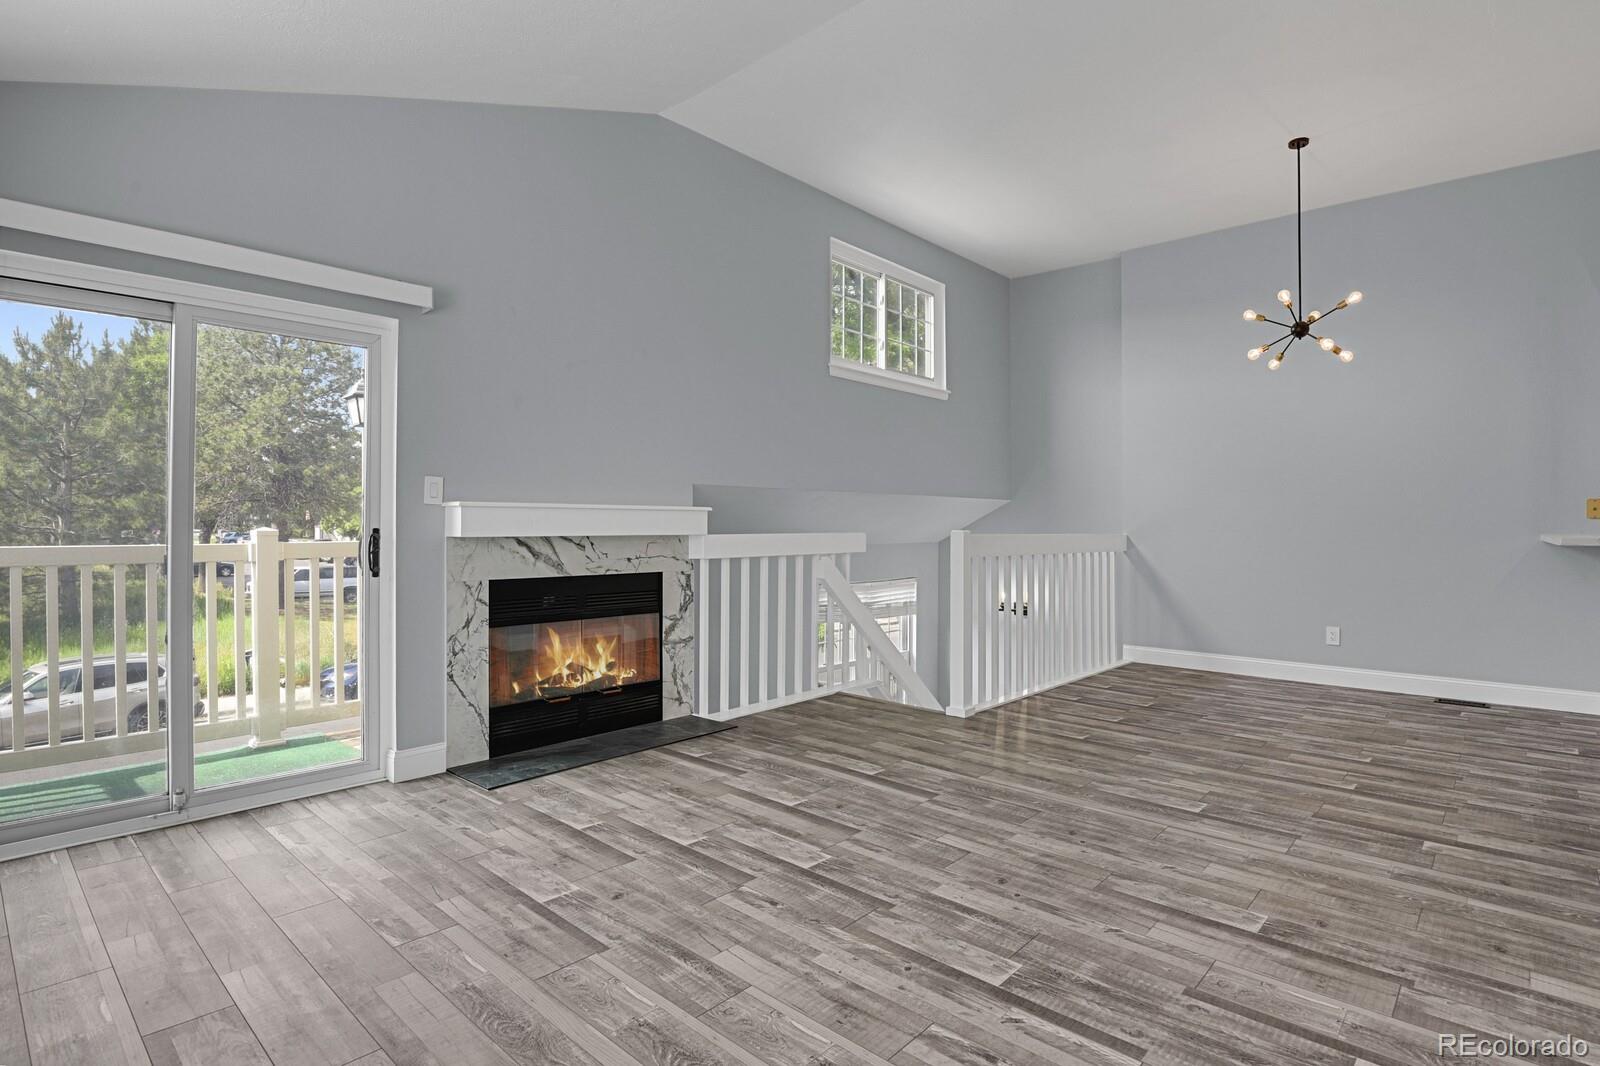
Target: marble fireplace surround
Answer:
pixel 488 541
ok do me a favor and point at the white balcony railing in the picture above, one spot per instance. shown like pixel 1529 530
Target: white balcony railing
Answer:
pixel 1028 612
pixel 93 704
pixel 779 623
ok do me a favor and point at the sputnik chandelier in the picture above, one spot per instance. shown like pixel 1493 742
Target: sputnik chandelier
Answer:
pixel 1298 326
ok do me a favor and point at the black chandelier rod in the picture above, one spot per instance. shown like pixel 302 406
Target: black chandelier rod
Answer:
pixel 1299 251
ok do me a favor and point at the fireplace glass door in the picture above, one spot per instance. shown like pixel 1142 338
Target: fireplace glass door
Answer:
pixel 555 661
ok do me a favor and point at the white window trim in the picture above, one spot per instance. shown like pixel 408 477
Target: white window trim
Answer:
pixel 934 387
pixel 109 233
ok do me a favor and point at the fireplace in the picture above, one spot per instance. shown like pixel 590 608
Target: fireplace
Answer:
pixel 571 657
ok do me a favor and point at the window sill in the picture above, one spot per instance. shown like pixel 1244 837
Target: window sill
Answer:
pixel 887 379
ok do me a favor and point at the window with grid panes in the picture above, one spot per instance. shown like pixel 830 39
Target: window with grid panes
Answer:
pixel 885 322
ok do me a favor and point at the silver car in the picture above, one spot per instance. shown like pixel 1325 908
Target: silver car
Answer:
pixel 351 581
pixel 36 702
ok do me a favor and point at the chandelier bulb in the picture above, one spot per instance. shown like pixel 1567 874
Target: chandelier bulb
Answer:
pixel 1251 316
pixel 1353 298
pixel 1313 316
pixel 1327 344
pixel 1285 297
pixel 1275 363
pixel 1346 354
pixel 1254 353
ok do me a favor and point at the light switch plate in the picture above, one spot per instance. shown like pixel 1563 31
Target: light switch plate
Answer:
pixel 1332 635
pixel 1594 507
pixel 433 490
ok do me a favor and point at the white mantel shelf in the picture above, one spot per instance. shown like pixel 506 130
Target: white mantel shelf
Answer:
pixel 1572 540
pixel 464 518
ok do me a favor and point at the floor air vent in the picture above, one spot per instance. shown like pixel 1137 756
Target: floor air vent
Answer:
pixel 1462 703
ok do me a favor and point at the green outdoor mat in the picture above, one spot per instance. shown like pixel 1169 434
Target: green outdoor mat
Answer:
pixel 149 779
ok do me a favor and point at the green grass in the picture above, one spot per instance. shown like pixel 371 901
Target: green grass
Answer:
pixel 70 636
pixel 150 779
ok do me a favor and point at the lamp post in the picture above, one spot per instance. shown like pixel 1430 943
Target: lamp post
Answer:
pixel 355 402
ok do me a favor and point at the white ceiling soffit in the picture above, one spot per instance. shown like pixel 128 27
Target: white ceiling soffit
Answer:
pixel 1034 134
pixel 615 55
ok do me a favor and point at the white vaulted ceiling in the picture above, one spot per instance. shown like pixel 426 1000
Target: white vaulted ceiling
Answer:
pixel 1024 134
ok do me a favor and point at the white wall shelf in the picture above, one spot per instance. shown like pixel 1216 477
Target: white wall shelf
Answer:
pixel 1572 540
pixel 494 519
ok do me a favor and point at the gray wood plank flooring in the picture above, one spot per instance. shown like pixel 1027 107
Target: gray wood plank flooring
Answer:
pixel 1148 866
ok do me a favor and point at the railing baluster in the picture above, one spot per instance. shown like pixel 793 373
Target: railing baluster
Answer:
pixel 984 609
pixel 780 676
pixel 19 726
pixel 761 633
pixel 1053 594
pixel 1083 612
pixel 1030 621
pixel 828 642
pixel 86 651
pixel 974 627
pixel 314 631
pixel 1100 609
pixel 1111 610
pixel 802 611
pixel 338 634
pixel 725 620
pixel 153 679
pixel 52 651
pixel 744 632
pixel 119 645
pixel 1048 620
pixel 213 682
pixel 291 692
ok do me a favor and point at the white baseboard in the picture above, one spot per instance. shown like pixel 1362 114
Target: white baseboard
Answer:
pixel 408 764
pixel 1575 701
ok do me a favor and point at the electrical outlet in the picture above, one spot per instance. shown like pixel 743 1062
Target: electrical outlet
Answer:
pixel 1594 507
pixel 1331 635
pixel 433 490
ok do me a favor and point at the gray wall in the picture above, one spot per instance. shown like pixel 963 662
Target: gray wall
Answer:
pixel 1065 421
pixel 664 281
pixel 679 285
pixel 1399 497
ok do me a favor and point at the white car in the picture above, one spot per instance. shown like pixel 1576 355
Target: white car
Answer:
pixel 36 702
pixel 325 586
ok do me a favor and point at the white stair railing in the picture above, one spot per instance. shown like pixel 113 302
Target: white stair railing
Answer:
pixel 765 608
pixel 869 659
pixel 1028 612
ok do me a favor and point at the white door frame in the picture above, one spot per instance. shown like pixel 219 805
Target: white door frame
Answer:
pixel 381 335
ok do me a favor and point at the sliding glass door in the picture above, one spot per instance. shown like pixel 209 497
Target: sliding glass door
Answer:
pixel 84 384
pixel 146 671
pixel 278 491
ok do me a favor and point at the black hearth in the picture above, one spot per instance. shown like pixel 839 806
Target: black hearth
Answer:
pixel 571 657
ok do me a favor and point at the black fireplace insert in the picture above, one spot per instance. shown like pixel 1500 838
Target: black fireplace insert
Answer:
pixel 571 657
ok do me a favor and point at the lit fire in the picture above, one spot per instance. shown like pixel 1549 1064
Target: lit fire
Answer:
pixel 563 670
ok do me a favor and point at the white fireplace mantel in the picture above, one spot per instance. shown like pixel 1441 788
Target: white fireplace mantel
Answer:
pixel 465 518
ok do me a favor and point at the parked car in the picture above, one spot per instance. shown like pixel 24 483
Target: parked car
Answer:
pixel 351 681
pixel 325 586
pixel 36 702
pixel 302 581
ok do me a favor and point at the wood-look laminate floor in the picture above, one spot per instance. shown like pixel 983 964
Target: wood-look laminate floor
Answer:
pixel 1149 866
